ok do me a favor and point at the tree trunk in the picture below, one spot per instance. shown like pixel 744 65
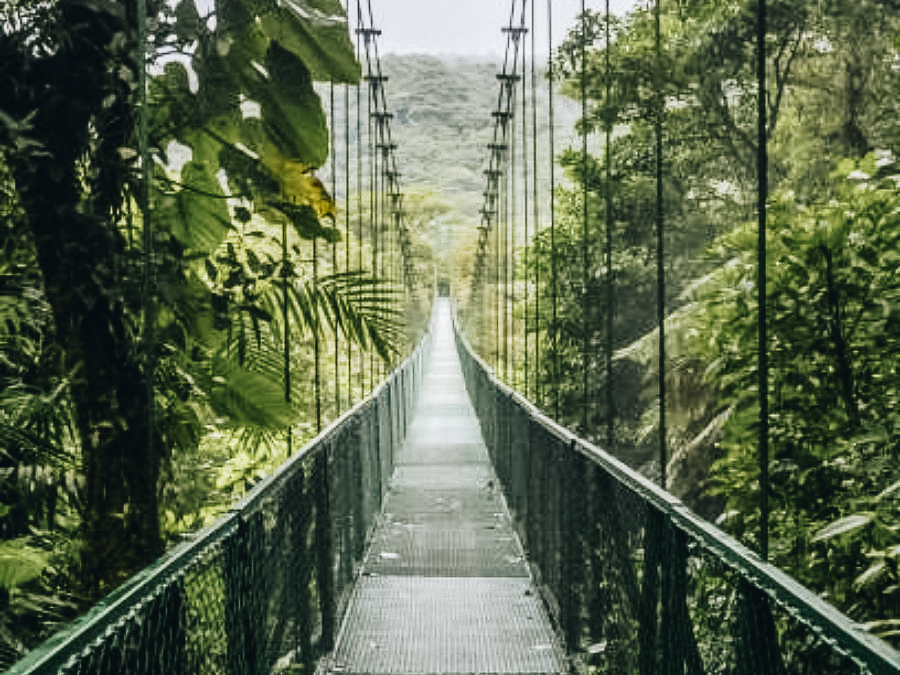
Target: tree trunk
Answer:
pixel 85 284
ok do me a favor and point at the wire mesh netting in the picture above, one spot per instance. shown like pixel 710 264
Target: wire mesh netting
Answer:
pixel 262 589
pixel 635 581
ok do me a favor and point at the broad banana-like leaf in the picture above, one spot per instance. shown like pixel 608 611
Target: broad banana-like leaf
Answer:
pixel 197 214
pixel 300 183
pixel 292 118
pixel 249 398
pixel 292 115
pixel 315 31
pixel 292 111
pixel 290 182
pixel 307 224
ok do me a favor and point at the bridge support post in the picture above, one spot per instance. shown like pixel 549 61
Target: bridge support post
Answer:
pixel 244 594
pixel 680 655
pixel 757 649
pixel 648 627
pixel 301 521
pixel 324 547
pixel 572 510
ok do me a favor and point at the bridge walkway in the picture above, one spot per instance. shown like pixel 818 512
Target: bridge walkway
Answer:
pixel 445 587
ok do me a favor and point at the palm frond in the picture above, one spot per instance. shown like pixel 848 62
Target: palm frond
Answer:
pixel 354 304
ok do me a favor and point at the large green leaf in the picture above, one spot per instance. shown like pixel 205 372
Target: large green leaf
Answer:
pixel 844 525
pixel 292 120
pixel 250 398
pixel 307 224
pixel 292 112
pixel 197 214
pixel 315 31
pixel 20 563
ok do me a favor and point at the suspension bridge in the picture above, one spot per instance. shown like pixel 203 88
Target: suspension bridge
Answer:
pixel 447 525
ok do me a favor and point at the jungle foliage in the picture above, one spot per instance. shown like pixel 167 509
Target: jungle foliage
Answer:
pixel 141 342
pixel 832 295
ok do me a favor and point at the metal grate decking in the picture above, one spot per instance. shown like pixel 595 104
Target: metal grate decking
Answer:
pixel 445 587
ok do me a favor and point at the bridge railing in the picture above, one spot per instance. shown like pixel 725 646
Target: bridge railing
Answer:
pixel 635 581
pixel 264 587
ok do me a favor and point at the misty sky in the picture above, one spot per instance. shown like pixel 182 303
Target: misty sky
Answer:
pixel 467 26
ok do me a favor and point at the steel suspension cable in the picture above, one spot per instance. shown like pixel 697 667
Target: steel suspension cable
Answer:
pixel 585 303
pixel 520 43
pixel 660 251
pixel 554 351
pixel 493 244
pixel 347 226
pixel 498 299
pixel 762 189
pixel 368 34
pixel 148 259
pixel 608 262
pixel 317 379
pixel 510 199
pixel 359 189
pixel 334 251
pixel 534 163
pixel 525 188
pixel 285 318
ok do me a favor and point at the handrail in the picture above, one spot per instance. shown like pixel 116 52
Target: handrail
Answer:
pixel 497 404
pixel 132 628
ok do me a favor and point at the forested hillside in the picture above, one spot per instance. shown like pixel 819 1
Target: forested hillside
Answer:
pixel 168 259
pixel 442 125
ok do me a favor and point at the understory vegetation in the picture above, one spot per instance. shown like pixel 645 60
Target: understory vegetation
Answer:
pixel 833 276
pixel 143 318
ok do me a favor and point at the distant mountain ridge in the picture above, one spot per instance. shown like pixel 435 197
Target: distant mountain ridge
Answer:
pixel 442 124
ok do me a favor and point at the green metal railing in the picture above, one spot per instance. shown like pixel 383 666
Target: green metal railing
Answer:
pixel 264 587
pixel 638 583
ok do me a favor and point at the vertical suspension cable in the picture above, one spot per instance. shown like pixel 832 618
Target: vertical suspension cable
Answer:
pixel 378 170
pixel 525 188
pixel 498 262
pixel 334 253
pixel 509 252
pixel 660 253
pixel 285 278
pixel 146 227
pixel 519 44
pixel 510 294
pixel 317 381
pixel 149 271
pixel 372 160
pixel 498 299
pixel 608 262
pixel 359 190
pixel 585 304
pixel 762 188
pixel 537 226
pixel 347 225
pixel 554 343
